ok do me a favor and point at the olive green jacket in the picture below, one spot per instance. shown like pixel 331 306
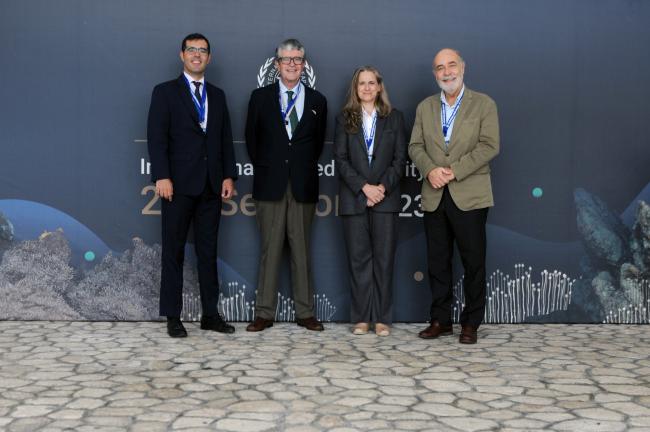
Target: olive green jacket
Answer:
pixel 474 142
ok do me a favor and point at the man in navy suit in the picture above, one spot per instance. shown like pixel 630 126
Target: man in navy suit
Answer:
pixel 285 131
pixel 193 165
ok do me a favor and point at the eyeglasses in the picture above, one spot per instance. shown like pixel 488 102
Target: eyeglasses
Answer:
pixel 194 50
pixel 288 60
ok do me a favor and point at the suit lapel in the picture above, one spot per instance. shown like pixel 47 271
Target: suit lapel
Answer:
pixel 275 103
pixel 381 122
pixel 185 96
pixel 465 106
pixel 305 112
pixel 212 109
pixel 362 140
pixel 436 127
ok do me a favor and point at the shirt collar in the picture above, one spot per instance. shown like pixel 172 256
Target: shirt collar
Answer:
pixel 459 97
pixel 366 115
pixel 284 89
pixel 190 79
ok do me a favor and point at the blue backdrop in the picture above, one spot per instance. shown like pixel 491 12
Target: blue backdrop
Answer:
pixel 567 238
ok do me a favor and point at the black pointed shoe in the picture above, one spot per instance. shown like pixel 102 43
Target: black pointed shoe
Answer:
pixel 175 328
pixel 216 323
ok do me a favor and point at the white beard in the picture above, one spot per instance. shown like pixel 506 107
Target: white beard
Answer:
pixel 451 87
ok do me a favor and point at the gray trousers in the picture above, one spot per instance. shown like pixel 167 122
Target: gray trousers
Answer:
pixel 370 240
pixel 277 221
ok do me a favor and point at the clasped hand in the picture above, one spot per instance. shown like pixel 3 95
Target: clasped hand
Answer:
pixel 374 194
pixel 439 177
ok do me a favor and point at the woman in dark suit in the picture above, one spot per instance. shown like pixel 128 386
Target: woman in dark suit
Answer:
pixel 370 152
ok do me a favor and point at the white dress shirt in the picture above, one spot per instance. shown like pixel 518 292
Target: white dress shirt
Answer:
pixel 298 106
pixel 191 80
pixel 449 109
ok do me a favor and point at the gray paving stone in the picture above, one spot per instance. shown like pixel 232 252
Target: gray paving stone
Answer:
pixel 446 386
pixel 632 390
pixel 589 425
pixel 599 414
pixel 257 406
pixel 149 427
pixel 302 418
pixel 641 422
pixel 442 410
pixel 27 424
pixel 303 428
pixel 66 414
pixel 526 424
pixel 501 415
pixel 239 425
pixel 92 377
pixel 353 401
pixel 358 415
pixel 31 411
pixel 191 422
pixel 469 424
pixel 62 425
pixel 86 403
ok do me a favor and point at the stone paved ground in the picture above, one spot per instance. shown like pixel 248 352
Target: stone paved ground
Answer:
pixel 65 376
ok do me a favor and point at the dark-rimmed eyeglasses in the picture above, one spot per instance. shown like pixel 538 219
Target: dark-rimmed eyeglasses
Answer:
pixel 194 50
pixel 288 60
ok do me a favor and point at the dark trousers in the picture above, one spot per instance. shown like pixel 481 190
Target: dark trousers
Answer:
pixel 370 240
pixel 204 210
pixel 443 226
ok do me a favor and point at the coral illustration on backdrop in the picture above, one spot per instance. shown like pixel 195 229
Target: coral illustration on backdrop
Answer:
pixel 38 281
pixel 617 262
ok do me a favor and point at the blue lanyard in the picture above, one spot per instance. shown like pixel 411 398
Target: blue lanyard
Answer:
pixel 199 104
pixel 290 103
pixel 447 122
pixel 369 138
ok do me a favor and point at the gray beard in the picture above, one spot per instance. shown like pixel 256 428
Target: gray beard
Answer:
pixel 450 88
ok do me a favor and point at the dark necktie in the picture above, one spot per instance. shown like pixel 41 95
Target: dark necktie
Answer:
pixel 293 115
pixel 197 90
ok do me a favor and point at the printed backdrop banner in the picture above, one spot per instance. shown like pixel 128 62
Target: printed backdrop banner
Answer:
pixel 568 238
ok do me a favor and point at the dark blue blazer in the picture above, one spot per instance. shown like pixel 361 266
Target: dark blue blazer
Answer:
pixel 178 147
pixel 278 159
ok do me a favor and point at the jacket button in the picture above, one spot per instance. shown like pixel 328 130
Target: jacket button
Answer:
pixel 286 161
pixel 205 158
pixel 289 143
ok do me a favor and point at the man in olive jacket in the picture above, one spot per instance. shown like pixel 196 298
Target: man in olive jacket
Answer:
pixel 455 135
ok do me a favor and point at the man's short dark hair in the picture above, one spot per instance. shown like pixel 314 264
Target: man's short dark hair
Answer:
pixel 194 36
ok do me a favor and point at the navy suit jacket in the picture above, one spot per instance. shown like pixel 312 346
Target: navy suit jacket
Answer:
pixel 278 159
pixel 178 147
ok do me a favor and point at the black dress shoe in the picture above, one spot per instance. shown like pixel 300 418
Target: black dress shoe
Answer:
pixel 216 323
pixel 310 323
pixel 175 328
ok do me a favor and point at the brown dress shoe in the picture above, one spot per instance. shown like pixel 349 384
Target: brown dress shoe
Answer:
pixel 435 330
pixel 468 335
pixel 310 323
pixel 259 324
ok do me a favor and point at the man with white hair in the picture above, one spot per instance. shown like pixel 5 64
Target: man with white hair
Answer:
pixel 285 132
pixel 455 135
